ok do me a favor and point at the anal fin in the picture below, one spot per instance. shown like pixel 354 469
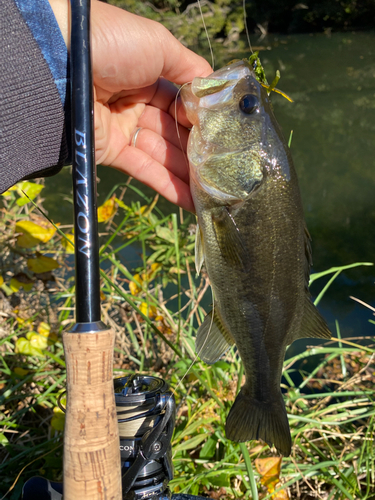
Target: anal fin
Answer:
pixel 313 325
pixel 213 338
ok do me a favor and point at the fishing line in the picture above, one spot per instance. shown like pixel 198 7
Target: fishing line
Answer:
pixel 146 412
pixel 201 349
pixel 176 122
pixel 247 31
pixel 208 38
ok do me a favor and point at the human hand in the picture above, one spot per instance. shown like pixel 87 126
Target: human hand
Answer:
pixel 134 61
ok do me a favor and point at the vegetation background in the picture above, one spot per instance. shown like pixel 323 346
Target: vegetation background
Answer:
pixel 225 18
pixel 154 302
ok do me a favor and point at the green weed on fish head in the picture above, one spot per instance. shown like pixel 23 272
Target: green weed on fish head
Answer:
pixel 260 75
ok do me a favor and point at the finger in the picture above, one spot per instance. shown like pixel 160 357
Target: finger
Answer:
pixel 132 52
pixel 167 98
pixel 164 124
pixel 142 167
pixel 163 152
pixel 165 94
pixel 162 94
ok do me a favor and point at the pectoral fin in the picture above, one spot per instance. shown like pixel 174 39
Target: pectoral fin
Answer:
pixel 213 338
pixel 229 238
pixel 199 250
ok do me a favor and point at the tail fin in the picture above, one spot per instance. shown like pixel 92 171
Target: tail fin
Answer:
pixel 253 419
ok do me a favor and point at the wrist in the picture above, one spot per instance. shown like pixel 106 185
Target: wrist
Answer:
pixel 61 10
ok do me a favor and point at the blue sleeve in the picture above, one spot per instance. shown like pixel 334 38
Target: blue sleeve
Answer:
pixel 42 23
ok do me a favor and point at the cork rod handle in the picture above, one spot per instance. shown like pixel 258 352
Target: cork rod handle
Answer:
pixel 91 450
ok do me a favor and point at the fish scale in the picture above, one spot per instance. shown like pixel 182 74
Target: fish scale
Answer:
pixel 254 243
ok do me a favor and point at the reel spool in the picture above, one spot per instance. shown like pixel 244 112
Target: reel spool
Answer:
pixel 146 417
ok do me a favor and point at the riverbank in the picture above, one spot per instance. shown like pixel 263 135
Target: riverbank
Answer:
pixel 154 304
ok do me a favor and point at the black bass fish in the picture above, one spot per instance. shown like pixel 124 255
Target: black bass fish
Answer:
pixel 252 236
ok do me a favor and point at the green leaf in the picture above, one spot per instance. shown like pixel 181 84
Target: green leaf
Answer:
pixel 24 346
pixel 332 270
pixel 189 444
pixel 3 439
pixel 208 449
pixel 190 429
pixel 219 480
pixel 165 233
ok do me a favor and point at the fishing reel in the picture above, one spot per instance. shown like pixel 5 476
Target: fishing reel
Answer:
pixel 146 413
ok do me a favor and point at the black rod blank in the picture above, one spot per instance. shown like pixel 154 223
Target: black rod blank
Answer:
pixel 84 167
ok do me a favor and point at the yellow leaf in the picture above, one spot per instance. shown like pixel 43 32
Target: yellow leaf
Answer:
pixel 148 310
pixel 68 245
pixel 107 210
pixel 134 287
pixel 281 495
pixel 141 210
pixel 153 270
pixel 269 470
pixel 42 264
pixel 30 188
pixel 9 191
pixel 58 419
pixel 15 285
pixel 32 234
pixel 36 340
pixel 53 337
pixel 20 371
pixel 25 240
pixel 1 280
pixel 122 204
pixel 22 321
pixel 151 207
pixel 44 329
pixel 155 266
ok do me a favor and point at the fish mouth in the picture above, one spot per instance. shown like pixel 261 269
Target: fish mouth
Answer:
pixel 216 89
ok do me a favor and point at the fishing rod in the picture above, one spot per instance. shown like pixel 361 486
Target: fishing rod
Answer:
pixel 140 407
pixel 91 442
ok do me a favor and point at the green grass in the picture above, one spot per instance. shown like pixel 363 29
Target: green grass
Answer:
pixel 155 304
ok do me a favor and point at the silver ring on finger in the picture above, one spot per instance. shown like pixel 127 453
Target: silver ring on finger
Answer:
pixel 135 136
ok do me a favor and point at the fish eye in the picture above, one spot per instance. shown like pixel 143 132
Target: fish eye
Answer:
pixel 249 103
